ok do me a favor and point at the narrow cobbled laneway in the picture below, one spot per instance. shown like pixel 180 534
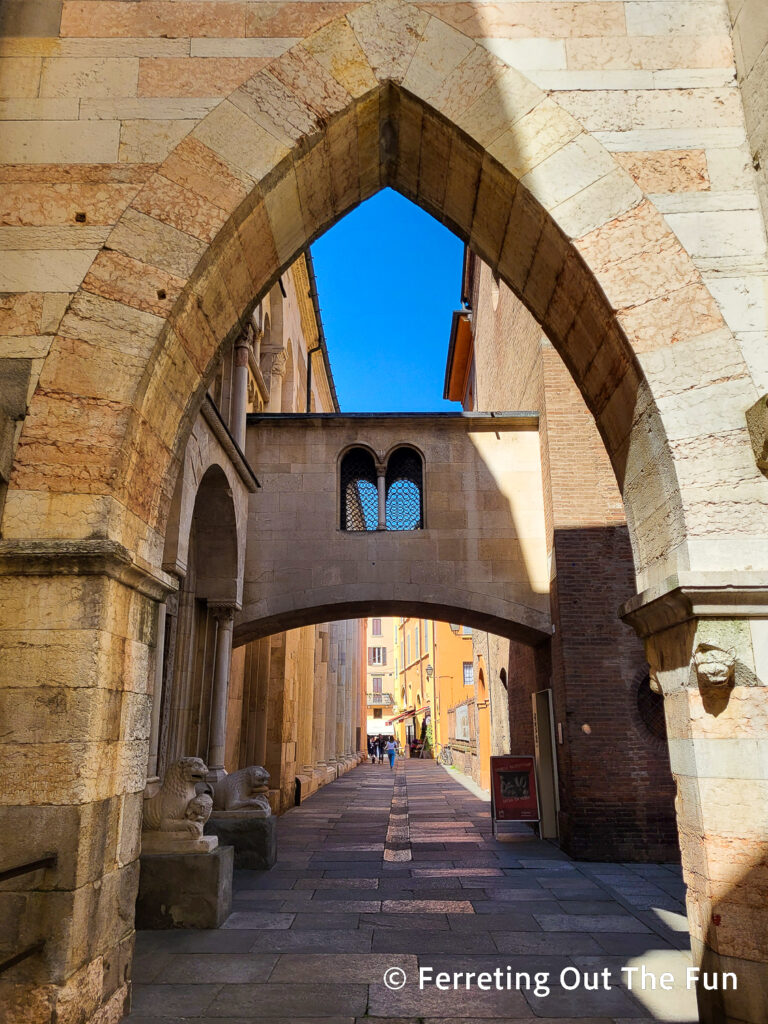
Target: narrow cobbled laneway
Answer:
pixel 398 872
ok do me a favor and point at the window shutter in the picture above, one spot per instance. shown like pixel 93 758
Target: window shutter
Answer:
pixel 370 655
pixel 383 655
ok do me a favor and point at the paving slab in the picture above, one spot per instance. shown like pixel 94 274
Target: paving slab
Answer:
pixel 379 871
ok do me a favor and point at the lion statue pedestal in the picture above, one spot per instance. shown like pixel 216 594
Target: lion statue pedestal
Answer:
pixel 242 818
pixel 185 879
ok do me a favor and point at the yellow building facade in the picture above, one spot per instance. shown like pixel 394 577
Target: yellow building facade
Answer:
pixel 445 709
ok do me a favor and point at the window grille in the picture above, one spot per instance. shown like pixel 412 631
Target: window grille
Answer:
pixel 404 509
pixel 359 494
pixel 469 674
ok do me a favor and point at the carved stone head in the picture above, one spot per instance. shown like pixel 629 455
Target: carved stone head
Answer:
pixel 714 666
pixel 192 769
pixel 199 808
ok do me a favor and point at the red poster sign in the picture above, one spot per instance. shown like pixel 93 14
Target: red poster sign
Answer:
pixel 513 789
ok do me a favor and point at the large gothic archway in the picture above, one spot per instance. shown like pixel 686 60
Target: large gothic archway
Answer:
pixel 387 96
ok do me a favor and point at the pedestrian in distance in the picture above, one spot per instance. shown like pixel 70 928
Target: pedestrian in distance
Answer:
pixel 391 749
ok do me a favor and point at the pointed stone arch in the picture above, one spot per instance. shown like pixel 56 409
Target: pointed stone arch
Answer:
pixel 388 95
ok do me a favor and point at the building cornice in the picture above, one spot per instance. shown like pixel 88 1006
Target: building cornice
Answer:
pixel 212 417
pixel 88 557
pixel 697 595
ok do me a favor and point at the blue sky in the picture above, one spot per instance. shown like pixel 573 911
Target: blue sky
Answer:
pixel 388 278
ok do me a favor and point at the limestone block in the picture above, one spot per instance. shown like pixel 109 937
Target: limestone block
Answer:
pixel 128 281
pixel 676 316
pixel 509 98
pixel 232 134
pixel 160 245
pixel 196 167
pixel 522 20
pixel 624 269
pixel 719 234
pixel 285 218
pixel 149 108
pixel 19 76
pixel 33 142
pixel 39 110
pixel 95 78
pixel 279 21
pixel 336 48
pixel 653 53
pixel 539 54
pixel 667 171
pixel 673 17
pixel 268 47
pixel 709 409
pixel 58 238
pixel 173 204
pixel 35 270
pixel 46 205
pixel 195 76
pixel 577 165
pixel 143 141
pixel 534 137
pixel 607 198
pixel 440 51
pixel 113 19
pixel 388 32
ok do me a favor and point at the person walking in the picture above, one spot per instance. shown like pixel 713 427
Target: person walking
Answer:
pixel 391 749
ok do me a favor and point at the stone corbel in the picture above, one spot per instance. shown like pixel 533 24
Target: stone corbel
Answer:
pixel 690 596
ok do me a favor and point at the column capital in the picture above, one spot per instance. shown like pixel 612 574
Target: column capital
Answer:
pixel 690 596
pixel 223 613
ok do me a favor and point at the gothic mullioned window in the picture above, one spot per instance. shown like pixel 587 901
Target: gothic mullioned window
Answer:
pixel 382 496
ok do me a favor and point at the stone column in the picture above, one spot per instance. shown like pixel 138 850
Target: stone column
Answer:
pixel 332 682
pixel 306 707
pixel 706 641
pixel 381 484
pixel 262 701
pixel 319 704
pixel 225 616
pixel 157 695
pixel 277 370
pixel 239 391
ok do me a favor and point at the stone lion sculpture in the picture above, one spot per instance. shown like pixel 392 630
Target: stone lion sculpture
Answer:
pixel 199 811
pixel 714 666
pixel 166 811
pixel 244 790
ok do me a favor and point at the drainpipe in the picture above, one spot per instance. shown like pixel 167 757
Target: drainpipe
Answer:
pixel 310 353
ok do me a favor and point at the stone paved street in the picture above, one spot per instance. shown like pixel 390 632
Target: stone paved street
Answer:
pixel 355 893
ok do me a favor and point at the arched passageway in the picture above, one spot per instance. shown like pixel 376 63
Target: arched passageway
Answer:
pixel 387 96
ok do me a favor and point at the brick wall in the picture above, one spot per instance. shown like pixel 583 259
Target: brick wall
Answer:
pixel 616 790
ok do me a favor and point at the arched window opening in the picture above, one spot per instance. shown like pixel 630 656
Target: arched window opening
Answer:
pixel 404 506
pixel 359 493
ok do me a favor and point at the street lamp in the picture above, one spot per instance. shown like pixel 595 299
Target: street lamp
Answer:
pixel 430 672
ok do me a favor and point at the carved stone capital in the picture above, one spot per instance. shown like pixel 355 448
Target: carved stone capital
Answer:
pixel 279 364
pixel 223 613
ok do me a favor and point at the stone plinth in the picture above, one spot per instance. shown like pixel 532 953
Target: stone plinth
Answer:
pixel 176 843
pixel 185 890
pixel 252 836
